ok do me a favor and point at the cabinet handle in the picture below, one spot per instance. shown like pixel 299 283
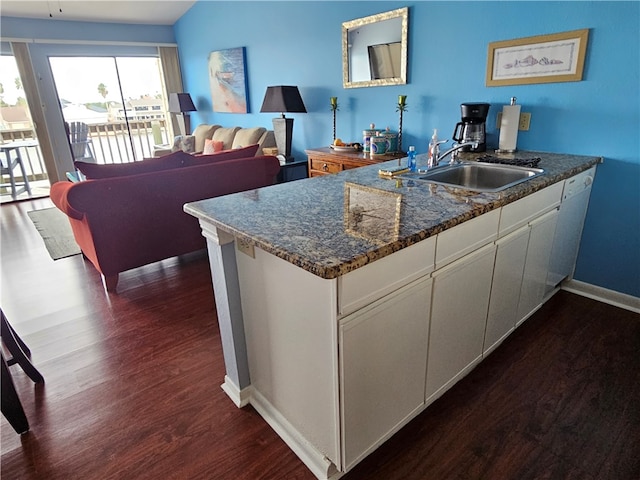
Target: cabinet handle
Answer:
pixel 325 167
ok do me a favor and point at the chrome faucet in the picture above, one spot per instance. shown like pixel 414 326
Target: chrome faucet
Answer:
pixel 433 158
pixel 453 151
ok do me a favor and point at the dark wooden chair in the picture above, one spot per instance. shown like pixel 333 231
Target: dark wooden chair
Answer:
pixel 20 353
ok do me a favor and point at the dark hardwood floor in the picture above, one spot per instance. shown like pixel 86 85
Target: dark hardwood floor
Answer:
pixel 133 386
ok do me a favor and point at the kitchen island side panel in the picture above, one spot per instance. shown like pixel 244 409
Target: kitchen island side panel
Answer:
pixel 291 333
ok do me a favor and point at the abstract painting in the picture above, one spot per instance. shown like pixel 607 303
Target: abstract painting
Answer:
pixel 228 80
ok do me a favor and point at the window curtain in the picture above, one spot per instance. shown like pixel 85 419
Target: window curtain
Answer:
pixel 170 65
pixel 30 86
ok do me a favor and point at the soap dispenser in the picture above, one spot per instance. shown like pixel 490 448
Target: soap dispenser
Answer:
pixel 433 149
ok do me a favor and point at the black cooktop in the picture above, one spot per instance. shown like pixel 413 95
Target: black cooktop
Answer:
pixel 520 162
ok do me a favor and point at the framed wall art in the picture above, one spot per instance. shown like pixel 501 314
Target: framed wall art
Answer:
pixel 228 81
pixel 557 57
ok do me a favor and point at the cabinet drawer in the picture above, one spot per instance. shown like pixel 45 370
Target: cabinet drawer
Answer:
pixel 325 166
pixel 348 166
pixel 520 213
pixel 466 237
pixel 371 282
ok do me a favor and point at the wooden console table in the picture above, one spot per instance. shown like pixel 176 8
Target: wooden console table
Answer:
pixel 325 160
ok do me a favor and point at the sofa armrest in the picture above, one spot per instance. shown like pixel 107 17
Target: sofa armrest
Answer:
pixel 161 150
pixel 267 140
pixel 59 195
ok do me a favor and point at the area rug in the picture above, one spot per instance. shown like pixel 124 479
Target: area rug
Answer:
pixel 53 226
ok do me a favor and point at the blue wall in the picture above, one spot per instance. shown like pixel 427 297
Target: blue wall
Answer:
pixel 299 43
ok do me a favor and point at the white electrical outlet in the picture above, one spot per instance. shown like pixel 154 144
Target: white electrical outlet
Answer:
pixel 245 247
pixel 525 121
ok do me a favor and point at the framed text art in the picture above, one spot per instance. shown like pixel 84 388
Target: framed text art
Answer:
pixel 557 57
pixel 228 80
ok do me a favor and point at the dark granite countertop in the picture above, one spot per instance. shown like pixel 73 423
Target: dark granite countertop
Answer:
pixel 306 222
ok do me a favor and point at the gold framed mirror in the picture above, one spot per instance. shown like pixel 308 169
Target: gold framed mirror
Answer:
pixel 374 50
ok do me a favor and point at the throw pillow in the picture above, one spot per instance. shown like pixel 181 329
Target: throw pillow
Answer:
pixel 248 136
pixel 245 152
pixel 185 143
pixel 177 143
pixel 225 135
pixel 212 146
pixel 201 133
pixel 189 144
pixel 94 171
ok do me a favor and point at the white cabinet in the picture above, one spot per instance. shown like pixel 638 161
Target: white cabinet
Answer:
pixel 505 289
pixel 466 238
pixel 527 209
pixel 364 285
pixel 458 317
pixel 383 358
pixel 535 214
pixel 537 264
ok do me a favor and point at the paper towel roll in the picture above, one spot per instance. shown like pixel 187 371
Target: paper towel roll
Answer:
pixel 509 128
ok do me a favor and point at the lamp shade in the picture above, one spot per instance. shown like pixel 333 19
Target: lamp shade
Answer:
pixel 283 99
pixel 180 103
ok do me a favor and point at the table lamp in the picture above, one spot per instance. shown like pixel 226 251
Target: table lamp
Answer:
pixel 180 104
pixel 283 99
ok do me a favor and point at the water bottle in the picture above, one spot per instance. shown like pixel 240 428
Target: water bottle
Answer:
pixel 412 159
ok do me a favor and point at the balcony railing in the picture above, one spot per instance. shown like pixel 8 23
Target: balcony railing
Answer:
pixel 110 141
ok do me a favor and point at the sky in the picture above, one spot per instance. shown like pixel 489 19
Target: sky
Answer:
pixel 8 74
pixel 77 78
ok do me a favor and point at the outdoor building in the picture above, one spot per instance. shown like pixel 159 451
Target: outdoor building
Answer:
pixel 14 118
pixel 139 109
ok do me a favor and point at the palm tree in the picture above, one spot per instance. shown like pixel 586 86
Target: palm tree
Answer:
pixel 18 83
pixel 102 89
pixel 2 102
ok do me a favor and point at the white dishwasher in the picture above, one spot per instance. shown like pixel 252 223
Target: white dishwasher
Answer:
pixel 566 242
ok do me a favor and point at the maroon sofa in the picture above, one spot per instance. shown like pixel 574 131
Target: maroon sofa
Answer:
pixel 134 216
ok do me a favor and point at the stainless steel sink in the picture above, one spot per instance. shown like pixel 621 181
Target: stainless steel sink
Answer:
pixel 477 176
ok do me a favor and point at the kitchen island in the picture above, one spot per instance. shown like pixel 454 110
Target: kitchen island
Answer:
pixel 348 303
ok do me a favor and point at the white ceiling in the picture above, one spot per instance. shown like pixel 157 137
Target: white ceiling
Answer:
pixel 152 12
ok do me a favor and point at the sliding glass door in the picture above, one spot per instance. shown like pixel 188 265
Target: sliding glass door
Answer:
pixel 113 107
pixel 24 174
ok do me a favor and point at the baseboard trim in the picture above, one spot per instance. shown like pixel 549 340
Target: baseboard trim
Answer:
pixel 315 461
pixel 237 396
pixel 611 297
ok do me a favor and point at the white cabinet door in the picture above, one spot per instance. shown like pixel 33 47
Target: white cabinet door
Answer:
pixel 458 318
pixel 505 289
pixel 537 264
pixel 383 358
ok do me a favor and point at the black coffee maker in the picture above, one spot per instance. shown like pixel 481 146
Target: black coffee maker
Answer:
pixel 472 128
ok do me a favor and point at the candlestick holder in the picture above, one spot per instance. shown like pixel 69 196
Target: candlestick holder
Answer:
pixel 402 107
pixel 334 108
